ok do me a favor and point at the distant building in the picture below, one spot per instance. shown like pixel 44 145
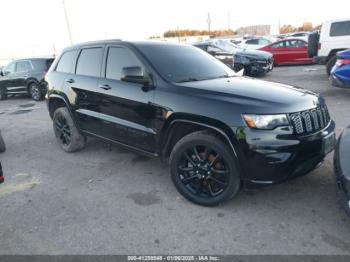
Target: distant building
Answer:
pixel 182 39
pixel 255 30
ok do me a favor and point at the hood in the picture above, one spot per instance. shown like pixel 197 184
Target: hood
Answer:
pixel 254 54
pixel 256 95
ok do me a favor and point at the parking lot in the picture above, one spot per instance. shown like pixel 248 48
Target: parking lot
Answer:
pixel 107 200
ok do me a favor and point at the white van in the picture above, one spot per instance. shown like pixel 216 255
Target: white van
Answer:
pixel 334 37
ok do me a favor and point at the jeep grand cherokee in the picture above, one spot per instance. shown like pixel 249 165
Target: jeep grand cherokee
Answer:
pixel 220 132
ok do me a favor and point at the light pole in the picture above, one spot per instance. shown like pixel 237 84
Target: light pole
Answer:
pixel 209 22
pixel 67 21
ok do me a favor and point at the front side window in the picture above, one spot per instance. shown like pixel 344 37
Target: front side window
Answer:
pixel 23 66
pixel 89 62
pixel 118 58
pixel 340 29
pixel 67 61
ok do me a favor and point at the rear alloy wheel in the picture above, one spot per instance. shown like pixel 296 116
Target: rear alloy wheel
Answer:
pixel 66 133
pixel 204 170
pixel 35 92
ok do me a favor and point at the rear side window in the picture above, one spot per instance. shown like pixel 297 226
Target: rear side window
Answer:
pixel 89 62
pixel 119 57
pixel 340 28
pixel 23 66
pixel 42 64
pixel 66 63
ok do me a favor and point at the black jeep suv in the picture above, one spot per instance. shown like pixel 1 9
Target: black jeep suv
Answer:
pixel 219 131
pixel 25 76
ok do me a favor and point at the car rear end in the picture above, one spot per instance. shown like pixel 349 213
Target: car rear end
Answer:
pixel 340 74
pixel 40 68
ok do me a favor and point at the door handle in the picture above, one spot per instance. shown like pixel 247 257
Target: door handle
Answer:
pixel 70 80
pixel 105 87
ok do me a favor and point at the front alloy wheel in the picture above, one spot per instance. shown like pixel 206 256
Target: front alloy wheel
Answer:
pixel 203 169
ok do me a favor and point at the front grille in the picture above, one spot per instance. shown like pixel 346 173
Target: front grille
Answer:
pixel 310 121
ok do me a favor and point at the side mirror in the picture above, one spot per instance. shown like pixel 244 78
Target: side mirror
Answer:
pixel 134 74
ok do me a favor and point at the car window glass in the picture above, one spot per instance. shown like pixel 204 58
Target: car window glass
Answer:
pixel 89 62
pixel 263 42
pixel 23 66
pixel 66 63
pixel 42 64
pixel 340 29
pixel 278 45
pixel 252 42
pixel 118 58
pixel 9 69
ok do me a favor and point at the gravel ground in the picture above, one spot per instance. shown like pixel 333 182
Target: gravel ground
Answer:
pixel 107 200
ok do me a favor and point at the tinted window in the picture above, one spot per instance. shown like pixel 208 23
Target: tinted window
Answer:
pixel 340 28
pixel 178 63
pixel 23 66
pixel 252 42
pixel 119 57
pixel 89 62
pixel 41 64
pixel 66 63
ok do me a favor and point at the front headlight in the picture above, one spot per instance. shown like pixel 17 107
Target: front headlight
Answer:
pixel 265 121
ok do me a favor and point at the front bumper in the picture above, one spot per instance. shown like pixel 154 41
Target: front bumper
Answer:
pixel 274 156
pixel 342 168
pixel 254 66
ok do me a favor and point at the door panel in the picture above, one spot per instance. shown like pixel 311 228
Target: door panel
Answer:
pixel 126 109
pixel 127 114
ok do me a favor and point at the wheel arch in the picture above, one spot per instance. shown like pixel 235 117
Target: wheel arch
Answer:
pixel 55 101
pixel 178 125
pixel 333 52
pixel 30 81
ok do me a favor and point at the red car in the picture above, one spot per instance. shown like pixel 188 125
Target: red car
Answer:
pixel 289 51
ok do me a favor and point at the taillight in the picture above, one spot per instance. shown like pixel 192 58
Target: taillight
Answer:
pixel 342 62
pixel 319 45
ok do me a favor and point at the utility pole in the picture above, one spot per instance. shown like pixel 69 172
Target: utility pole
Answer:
pixel 67 21
pixel 228 21
pixel 209 22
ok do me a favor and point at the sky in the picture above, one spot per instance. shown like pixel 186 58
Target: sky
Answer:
pixel 38 27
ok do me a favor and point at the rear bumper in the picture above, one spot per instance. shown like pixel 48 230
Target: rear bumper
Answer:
pixel 321 60
pixel 267 157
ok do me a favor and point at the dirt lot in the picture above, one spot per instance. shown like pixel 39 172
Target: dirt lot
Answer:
pixel 107 200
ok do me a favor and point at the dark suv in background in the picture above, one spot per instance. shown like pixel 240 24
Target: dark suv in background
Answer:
pixel 219 131
pixel 25 76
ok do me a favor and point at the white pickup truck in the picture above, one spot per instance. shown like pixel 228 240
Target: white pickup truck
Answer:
pixel 334 37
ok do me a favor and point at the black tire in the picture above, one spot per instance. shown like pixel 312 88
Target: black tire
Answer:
pixel 67 134
pixel 3 94
pixel 330 64
pixel 2 144
pixel 35 92
pixel 201 152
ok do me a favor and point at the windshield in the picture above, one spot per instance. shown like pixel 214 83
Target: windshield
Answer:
pixel 180 63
